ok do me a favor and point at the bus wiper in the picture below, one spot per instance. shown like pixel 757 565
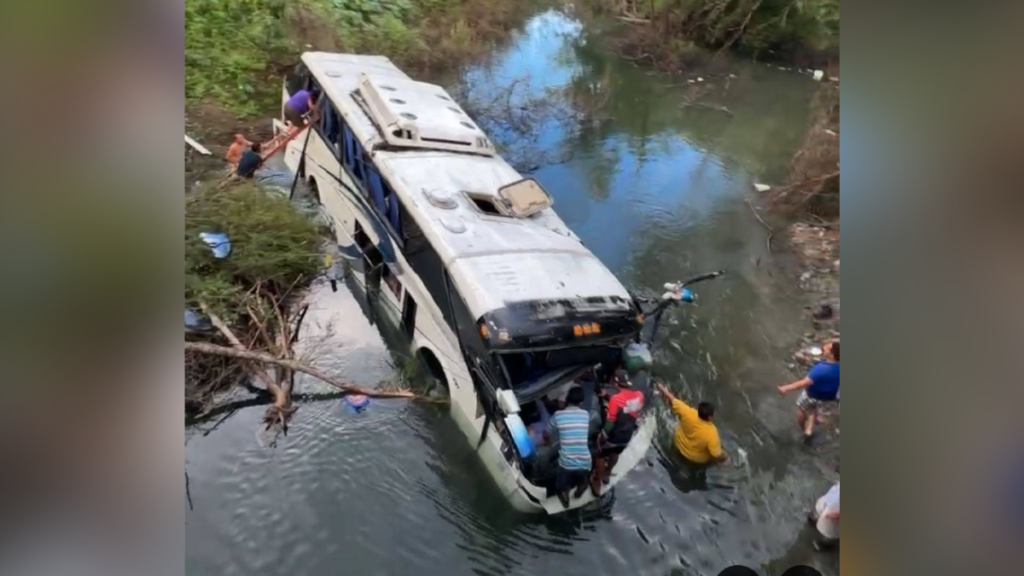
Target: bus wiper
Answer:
pixel 676 292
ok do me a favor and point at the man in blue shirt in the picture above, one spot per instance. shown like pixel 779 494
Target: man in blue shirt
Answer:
pixel 572 426
pixel 251 161
pixel 821 385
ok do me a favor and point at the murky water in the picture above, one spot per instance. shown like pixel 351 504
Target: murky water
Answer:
pixel 658 190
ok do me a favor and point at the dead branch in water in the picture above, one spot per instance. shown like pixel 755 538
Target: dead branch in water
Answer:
pixel 771 231
pixel 272 386
pixel 206 348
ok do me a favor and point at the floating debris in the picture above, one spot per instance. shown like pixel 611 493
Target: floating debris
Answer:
pixel 218 242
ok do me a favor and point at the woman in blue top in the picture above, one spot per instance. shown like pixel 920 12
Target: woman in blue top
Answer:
pixel 820 385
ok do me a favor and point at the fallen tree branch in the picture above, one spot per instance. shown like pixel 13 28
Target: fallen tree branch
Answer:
pixel 739 32
pixel 634 20
pixel 206 348
pixel 771 231
pixel 758 216
pixel 786 190
pixel 237 345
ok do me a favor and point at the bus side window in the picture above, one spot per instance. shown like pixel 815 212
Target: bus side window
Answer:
pixel 359 168
pixel 330 126
pixel 377 191
pixel 350 146
pixel 394 210
pixel 392 281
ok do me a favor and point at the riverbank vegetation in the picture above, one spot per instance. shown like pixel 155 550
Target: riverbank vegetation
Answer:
pixel 813 183
pixel 237 51
pixel 677 34
pixel 244 296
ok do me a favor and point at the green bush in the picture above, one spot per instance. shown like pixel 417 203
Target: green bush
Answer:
pixel 272 245
pixel 229 49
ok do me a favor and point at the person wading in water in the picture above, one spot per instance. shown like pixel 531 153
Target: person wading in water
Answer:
pixel 696 437
pixel 819 388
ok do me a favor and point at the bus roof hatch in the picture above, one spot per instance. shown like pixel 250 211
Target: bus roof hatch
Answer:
pixel 525 197
pixel 419 115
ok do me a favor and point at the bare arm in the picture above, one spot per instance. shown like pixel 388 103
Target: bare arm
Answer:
pixel 797 385
pixel 665 394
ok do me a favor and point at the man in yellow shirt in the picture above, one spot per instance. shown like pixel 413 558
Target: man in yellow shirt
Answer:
pixel 696 437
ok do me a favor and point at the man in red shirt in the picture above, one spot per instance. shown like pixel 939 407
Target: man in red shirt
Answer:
pixel 620 423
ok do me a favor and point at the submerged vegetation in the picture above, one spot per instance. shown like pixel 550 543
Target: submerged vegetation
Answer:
pixel 237 51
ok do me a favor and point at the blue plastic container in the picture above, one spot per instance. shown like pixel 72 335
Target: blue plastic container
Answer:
pixel 520 435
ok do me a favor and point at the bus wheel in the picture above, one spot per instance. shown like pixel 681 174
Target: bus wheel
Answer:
pixel 430 367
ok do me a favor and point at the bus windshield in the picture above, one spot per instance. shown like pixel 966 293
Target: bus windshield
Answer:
pixel 530 373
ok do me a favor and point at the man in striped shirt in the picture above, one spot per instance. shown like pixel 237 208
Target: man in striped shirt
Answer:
pixel 572 424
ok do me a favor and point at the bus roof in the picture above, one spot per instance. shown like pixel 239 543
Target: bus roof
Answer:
pixel 494 257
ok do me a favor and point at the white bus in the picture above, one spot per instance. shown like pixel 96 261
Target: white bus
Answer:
pixel 500 299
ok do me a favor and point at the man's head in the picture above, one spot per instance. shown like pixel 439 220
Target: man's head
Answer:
pixel 239 138
pixel 575 396
pixel 257 147
pixel 831 350
pixel 705 410
pixel 621 379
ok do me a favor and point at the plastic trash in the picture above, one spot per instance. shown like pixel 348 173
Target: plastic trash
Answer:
pixel 636 357
pixel 218 243
pixel 357 402
pixel 762 187
pixel 818 75
pixel 197 321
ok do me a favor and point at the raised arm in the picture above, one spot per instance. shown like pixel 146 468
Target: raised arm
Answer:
pixel 797 385
pixel 665 393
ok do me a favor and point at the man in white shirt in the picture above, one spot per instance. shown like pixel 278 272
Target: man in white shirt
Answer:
pixel 825 517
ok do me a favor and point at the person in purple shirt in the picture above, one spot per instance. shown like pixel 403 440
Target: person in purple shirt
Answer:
pixel 820 386
pixel 300 103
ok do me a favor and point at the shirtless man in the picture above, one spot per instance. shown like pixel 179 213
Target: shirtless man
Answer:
pixel 235 151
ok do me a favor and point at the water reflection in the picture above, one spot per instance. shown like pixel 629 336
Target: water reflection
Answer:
pixel 656 189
